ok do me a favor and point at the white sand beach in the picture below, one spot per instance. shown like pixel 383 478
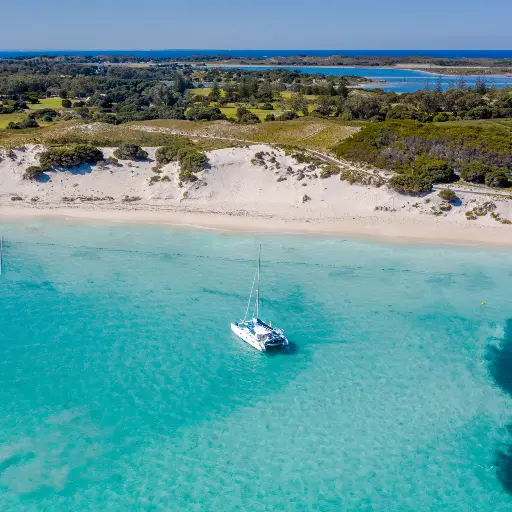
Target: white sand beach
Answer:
pixel 235 193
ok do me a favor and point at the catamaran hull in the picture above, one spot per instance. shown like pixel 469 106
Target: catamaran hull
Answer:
pixel 245 335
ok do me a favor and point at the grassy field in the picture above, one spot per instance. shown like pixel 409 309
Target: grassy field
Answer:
pixel 5 119
pixel 230 111
pixel 306 132
pixel 104 135
pixel 54 103
pixel 201 92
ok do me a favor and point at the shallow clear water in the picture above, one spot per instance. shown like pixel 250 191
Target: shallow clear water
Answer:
pixel 122 388
pixel 399 80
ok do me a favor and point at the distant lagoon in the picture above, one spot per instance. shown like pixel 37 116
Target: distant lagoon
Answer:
pixel 397 80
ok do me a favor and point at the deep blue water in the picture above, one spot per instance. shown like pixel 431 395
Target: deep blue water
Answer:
pixel 449 54
pixel 122 387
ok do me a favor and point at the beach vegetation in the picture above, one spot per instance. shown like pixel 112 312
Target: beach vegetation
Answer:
pixel 474 172
pixel 410 185
pixel 26 122
pixel 130 152
pixel 498 178
pixel 448 195
pixel 69 156
pixel 436 152
pixel 32 173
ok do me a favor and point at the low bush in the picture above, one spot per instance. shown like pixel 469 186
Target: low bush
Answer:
pixel 66 103
pixel 32 173
pixel 448 195
pixel 442 117
pixel 170 152
pixel 288 115
pixel 245 116
pixel 410 185
pixel 130 152
pixel 203 113
pixel 329 170
pixel 270 117
pixel 27 122
pixel 69 156
pixel 498 178
pixel 111 160
pixel 474 172
pixel 438 171
pixel 191 162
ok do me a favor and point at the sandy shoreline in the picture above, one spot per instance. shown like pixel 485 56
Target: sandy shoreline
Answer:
pixel 251 189
pixel 378 229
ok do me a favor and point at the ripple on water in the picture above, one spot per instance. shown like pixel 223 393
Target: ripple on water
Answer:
pixel 122 388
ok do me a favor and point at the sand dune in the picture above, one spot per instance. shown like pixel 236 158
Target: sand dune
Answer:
pixel 277 194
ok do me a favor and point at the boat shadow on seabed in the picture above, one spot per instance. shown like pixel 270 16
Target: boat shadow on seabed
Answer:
pixel 500 367
pixel 286 350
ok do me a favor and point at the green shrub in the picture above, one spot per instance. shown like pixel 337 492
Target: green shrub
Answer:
pixel 474 172
pixel 45 114
pixel 130 152
pixel 267 106
pixel 66 103
pixel 499 178
pixel 191 162
pixel 448 195
pixel 329 170
pixel 410 185
pixel 270 117
pixel 170 152
pixel 203 113
pixel 69 156
pixel 397 145
pixel 442 117
pixel 438 171
pixel 111 160
pixel 245 116
pixel 288 115
pixel 32 173
pixel 27 122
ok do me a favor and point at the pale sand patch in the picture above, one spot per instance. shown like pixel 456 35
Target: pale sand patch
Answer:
pixel 236 194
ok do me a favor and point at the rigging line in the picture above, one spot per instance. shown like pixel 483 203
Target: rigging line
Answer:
pixel 250 296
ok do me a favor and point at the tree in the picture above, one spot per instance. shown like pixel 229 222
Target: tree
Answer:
pixel 215 92
pixel 499 178
pixel 66 103
pixel 130 152
pixel 475 172
pixel 439 85
pixel 410 185
pixel 480 86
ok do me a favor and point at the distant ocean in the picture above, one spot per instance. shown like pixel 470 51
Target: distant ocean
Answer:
pixel 160 54
pixel 122 387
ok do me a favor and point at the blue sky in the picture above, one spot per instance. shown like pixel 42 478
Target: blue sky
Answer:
pixel 262 24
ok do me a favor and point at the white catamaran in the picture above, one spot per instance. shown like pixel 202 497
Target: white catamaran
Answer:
pixel 256 332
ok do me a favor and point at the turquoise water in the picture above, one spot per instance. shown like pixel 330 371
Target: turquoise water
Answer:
pixel 122 388
pixel 398 80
